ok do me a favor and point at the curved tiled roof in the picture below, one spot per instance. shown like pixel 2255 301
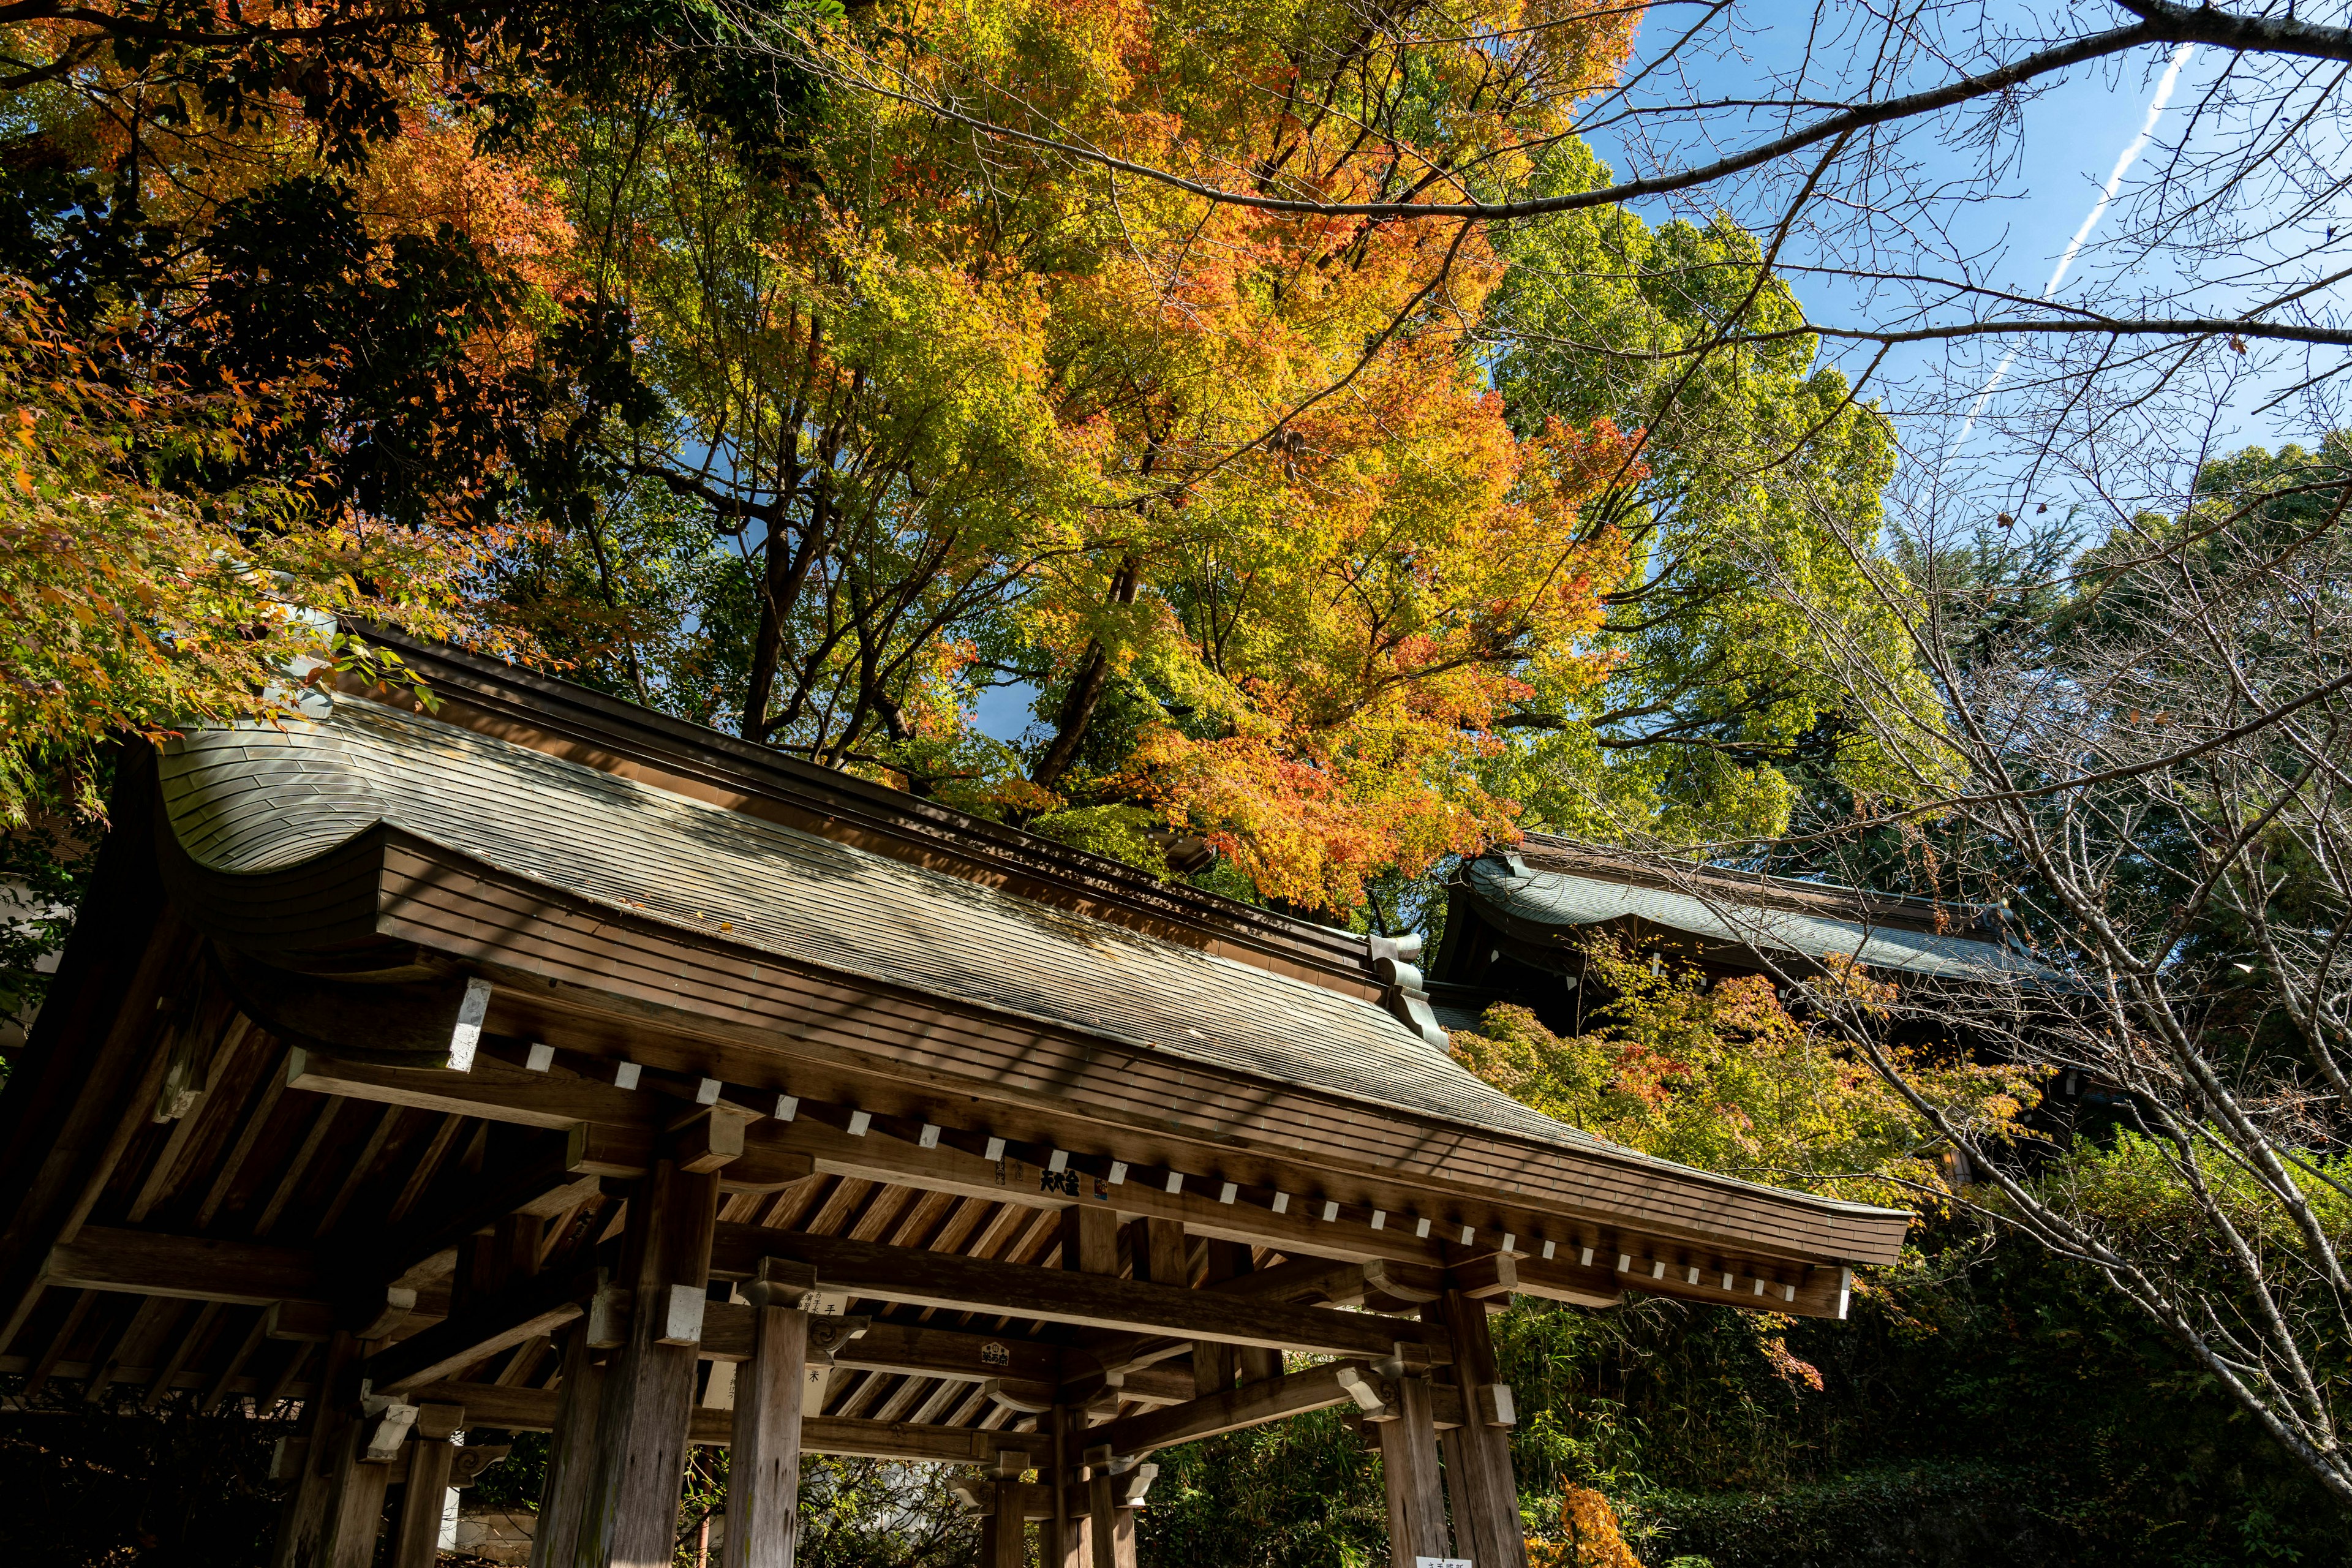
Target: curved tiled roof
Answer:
pixel 1569 899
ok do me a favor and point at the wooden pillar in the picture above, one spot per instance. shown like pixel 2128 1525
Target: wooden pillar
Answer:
pixel 1102 1523
pixel 1409 1473
pixel 302 1525
pixel 1487 1525
pixel 355 1502
pixel 631 1513
pixel 764 1459
pixel 1257 1362
pixel 1214 1366
pixel 1161 1255
pixel 1004 1535
pixel 1122 1541
pixel 1089 1246
pixel 426 1499
pixel 570 1453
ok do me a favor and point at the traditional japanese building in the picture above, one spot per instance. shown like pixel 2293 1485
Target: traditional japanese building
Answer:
pixel 1520 924
pixel 537 1062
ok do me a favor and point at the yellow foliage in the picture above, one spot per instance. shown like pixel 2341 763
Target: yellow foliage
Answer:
pixel 1589 1536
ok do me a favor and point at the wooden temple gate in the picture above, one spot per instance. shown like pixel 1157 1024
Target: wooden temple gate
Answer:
pixel 542 1064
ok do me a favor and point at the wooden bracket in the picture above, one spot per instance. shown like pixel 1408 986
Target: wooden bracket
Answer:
pixel 608 1317
pixel 711 1136
pixel 1489 1274
pixel 1375 1396
pixel 681 1315
pixel 1409 1359
pixel 1019 1395
pixel 826 1335
pixel 780 1282
pixel 388 1428
pixel 1130 1487
pixel 438 1423
pixel 473 1459
pixel 1414 1282
pixel 1495 1406
pixel 377 1313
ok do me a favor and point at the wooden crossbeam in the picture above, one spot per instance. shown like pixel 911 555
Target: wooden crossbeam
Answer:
pixel 480 1331
pixel 544 1169
pixel 533 1410
pixel 611 1131
pixel 192 1268
pixel 938 1280
pixel 907 1348
pixel 1251 1405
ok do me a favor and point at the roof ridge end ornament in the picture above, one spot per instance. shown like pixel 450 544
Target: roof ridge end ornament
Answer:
pixel 1402 990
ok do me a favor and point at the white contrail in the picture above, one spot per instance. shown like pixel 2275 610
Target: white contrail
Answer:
pixel 2155 106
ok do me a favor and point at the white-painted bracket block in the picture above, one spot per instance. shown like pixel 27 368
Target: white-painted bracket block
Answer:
pixel 466 1037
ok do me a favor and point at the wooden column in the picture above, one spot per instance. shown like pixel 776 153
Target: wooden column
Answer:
pixel 648 1394
pixel 1122 1541
pixel 570 1452
pixel 1102 1523
pixel 1257 1362
pixel 1409 1473
pixel 1214 1366
pixel 301 1526
pixel 1004 1535
pixel 355 1502
pixel 763 1460
pixel 425 1499
pixel 1089 1246
pixel 1161 1255
pixel 1486 1523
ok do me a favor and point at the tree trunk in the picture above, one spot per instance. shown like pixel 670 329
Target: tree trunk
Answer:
pixel 1086 687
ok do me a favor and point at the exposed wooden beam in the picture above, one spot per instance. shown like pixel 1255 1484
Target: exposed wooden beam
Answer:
pixel 477 1332
pixel 542 1173
pixel 533 1410
pixel 192 1268
pixel 1231 1410
pixel 962 1284
pixel 914 1350
pixel 615 1131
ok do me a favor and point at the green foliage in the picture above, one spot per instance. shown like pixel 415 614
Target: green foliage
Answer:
pixel 1722 1077
pixel 1749 453
pixel 1302 1493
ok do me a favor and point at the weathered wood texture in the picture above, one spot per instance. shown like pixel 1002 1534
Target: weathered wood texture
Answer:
pixel 1485 1498
pixel 417 1541
pixel 937 1280
pixel 1227 1410
pixel 572 1415
pixel 764 1466
pixel 1411 1477
pixel 631 1510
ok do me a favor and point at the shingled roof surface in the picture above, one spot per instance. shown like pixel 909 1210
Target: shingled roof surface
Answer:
pixel 260 799
pixel 1561 898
